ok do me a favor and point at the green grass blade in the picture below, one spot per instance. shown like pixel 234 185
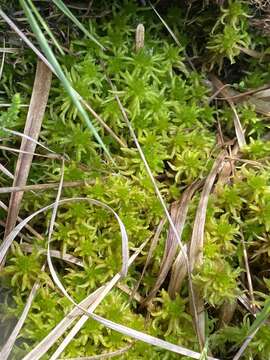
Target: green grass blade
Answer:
pixel 68 13
pixel 60 74
pixel 261 317
pixel 45 27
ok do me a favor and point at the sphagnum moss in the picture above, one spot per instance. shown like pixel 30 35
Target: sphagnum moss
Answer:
pixel 177 132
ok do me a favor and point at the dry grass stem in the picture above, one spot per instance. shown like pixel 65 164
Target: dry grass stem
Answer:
pixel 32 128
pixel 37 187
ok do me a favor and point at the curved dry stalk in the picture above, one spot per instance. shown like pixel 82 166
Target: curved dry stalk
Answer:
pixel 89 311
pixel 30 138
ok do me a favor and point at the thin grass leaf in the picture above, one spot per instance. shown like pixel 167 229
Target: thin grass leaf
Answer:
pixel 27 226
pixel 6 172
pixel 39 98
pixel 174 38
pixel 50 156
pixel 65 10
pixel 27 137
pixel 53 253
pixel 259 321
pixel 2 60
pixel 102 356
pixel 60 74
pixel 45 26
pixel 42 187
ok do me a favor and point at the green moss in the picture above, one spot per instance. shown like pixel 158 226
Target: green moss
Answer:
pixel 176 127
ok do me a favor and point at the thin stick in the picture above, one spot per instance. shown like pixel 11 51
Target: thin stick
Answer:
pixel 66 184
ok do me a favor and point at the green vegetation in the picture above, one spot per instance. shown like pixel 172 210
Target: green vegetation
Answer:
pixel 179 131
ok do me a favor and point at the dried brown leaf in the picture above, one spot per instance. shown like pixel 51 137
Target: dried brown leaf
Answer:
pixel 197 239
pixel 33 123
pixel 179 211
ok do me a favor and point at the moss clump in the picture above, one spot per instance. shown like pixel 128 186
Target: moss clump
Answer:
pixel 167 104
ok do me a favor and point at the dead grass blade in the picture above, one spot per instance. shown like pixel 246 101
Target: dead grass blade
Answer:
pixel 153 245
pixel 179 211
pixel 27 137
pixel 32 128
pixel 3 60
pixel 227 170
pixel 27 226
pixel 6 172
pixel 237 124
pixel 36 187
pixel 7 348
pixel 14 150
pixel 226 313
pixel 102 356
pixel 178 274
pixel 53 253
pixel 197 239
